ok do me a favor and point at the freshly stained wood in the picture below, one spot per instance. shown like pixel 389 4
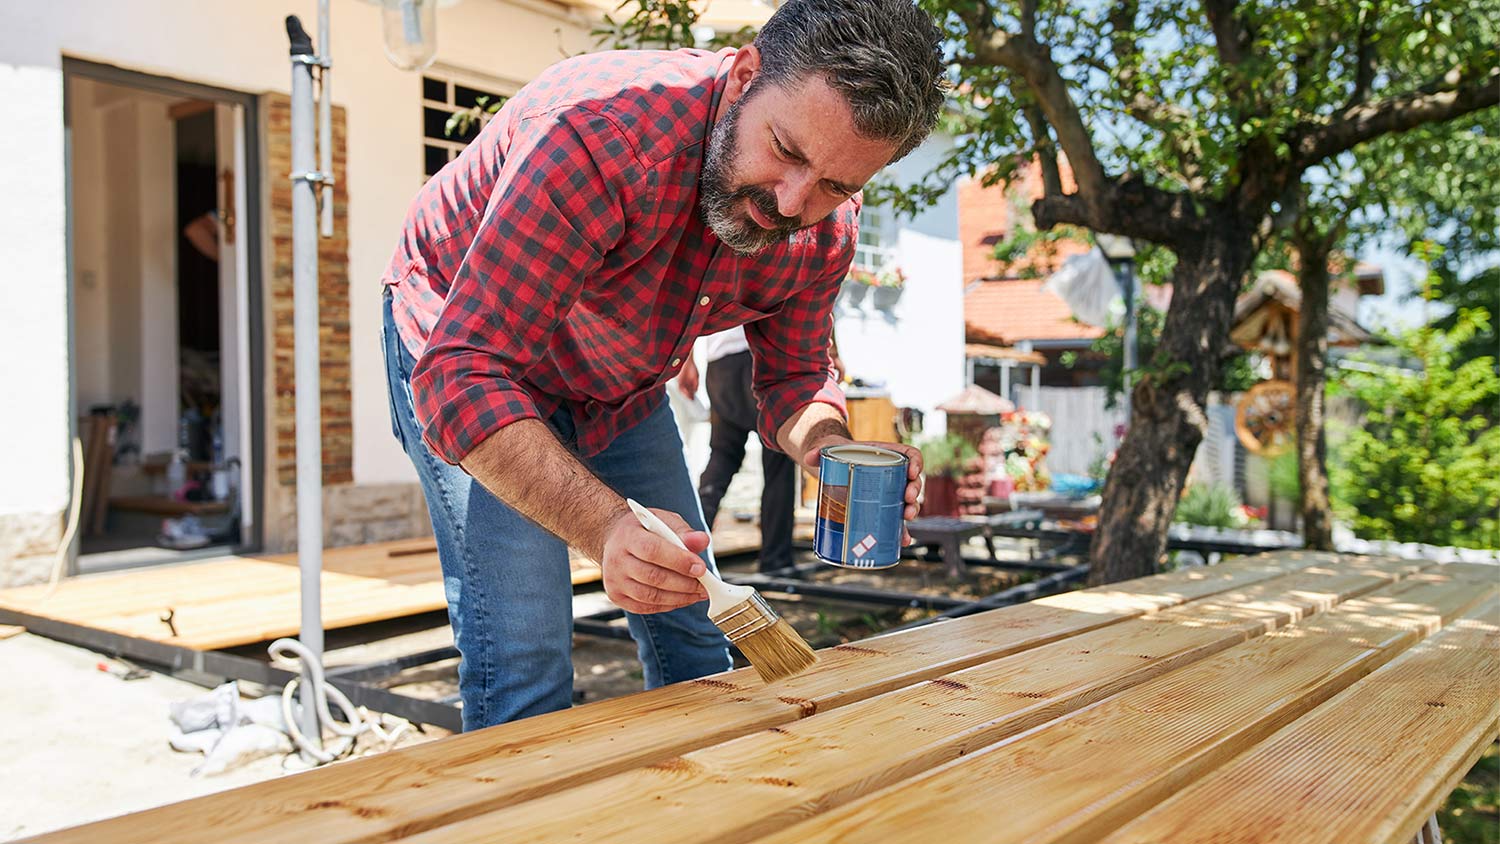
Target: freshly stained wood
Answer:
pixel 1337 775
pixel 779 776
pixel 1083 775
pixel 441 782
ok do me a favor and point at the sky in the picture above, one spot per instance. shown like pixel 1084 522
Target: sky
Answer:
pixel 1397 308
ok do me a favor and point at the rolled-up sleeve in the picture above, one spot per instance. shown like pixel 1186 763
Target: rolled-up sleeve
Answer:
pixel 561 202
pixel 790 356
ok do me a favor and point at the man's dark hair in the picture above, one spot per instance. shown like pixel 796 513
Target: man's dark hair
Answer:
pixel 883 56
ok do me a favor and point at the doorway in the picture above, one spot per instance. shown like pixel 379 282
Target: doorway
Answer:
pixel 165 332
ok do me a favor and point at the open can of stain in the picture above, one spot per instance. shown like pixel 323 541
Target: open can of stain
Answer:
pixel 861 496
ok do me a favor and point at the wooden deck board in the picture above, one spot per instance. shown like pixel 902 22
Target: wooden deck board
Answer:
pixel 882 740
pixel 241 600
pixel 1335 775
pixel 445 781
pixel 1157 737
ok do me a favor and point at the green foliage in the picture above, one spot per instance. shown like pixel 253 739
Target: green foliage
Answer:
pixel 1018 252
pixel 1453 283
pixel 1159 97
pixel 1285 483
pixel 1472 813
pixel 1425 465
pixel 1235 374
pixel 1210 505
pixel 947 456
pixel 483 109
pixel 661 25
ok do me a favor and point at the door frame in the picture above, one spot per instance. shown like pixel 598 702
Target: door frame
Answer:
pixel 249 235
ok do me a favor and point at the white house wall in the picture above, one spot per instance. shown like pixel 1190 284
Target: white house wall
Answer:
pixel 241 46
pixel 33 348
pixel 917 348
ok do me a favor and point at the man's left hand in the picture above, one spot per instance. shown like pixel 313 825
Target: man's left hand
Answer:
pixel 913 471
pixel 687 379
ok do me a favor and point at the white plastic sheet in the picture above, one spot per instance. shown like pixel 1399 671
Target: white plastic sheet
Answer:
pixel 1088 286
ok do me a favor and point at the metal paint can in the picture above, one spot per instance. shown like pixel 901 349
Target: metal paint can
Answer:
pixel 861 496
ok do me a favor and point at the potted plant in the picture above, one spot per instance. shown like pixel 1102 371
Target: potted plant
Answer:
pixel 944 461
pixel 854 292
pixel 888 283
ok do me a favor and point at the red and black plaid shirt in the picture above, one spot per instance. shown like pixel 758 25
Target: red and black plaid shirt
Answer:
pixel 561 260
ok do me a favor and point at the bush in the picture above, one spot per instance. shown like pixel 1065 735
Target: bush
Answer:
pixel 1424 466
pixel 947 456
pixel 1210 505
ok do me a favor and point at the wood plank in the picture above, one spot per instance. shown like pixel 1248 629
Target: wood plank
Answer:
pixel 775 777
pixel 221 624
pixel 151 589
pixel 220 604
pixel 411 561
pixel 239 600
pixel 1156 737
pixel 418 788
pixel 1372 764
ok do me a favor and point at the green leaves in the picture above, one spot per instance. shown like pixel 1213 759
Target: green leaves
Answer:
pixel 1424 466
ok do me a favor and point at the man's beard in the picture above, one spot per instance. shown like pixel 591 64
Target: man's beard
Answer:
pixel 718 199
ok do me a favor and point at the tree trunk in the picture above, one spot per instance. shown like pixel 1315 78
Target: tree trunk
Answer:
pixel 1312 359
pixel 1167 419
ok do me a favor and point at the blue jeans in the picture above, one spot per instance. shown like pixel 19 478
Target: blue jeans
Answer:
pixel 507 580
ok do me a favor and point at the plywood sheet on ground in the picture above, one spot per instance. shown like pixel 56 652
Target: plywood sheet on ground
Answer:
pixel 240 600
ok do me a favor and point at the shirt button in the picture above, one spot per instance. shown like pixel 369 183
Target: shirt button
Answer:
pixel 676 361
pixel 703 301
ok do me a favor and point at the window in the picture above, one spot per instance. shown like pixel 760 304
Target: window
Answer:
pixel 444 94
pixel 876 244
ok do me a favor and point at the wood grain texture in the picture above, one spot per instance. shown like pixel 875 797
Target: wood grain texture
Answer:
pixel 783 775
pixel 241 600
pixel 442 782
pixel 1369 765
pixel 1085 774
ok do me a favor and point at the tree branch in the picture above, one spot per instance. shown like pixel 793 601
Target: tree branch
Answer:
pixel 1231 37
pixel 1046 151
pixel 1234 41
pixel 1457 93
pixel 1128 206
pixel 1364 56
pixel 1033 63
pixel 1164 117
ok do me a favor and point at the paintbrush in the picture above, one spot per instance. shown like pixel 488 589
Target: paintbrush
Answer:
pixel 765 638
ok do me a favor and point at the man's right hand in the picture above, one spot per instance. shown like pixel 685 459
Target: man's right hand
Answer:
pixel 644 573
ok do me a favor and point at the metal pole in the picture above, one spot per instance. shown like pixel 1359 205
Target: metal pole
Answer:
pixel 1127 278
pixel 305 330
pixel 325 118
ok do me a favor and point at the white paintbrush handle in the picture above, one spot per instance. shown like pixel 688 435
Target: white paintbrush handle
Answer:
pixel 721 596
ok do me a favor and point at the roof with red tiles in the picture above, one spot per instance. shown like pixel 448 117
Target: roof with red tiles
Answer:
pixel 1007 311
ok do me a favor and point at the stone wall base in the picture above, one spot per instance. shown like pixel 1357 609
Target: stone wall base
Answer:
pixel 352 515
pixel 28 546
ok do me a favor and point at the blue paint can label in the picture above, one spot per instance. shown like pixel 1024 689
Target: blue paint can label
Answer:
pixel 861 496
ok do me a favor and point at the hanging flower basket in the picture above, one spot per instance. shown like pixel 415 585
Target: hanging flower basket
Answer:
pixel 854 293
pixel 888 283
pixel 887 297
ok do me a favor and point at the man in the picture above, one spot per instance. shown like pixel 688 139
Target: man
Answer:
pixel 727 381
pixel 552 277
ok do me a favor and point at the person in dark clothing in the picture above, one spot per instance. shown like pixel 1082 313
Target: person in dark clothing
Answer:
pixel 732 403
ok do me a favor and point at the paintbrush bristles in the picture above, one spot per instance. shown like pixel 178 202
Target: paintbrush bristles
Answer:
pixel 777 652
